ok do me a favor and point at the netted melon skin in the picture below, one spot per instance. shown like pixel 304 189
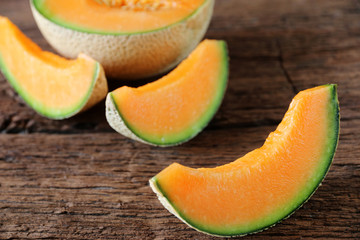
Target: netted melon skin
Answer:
pixel 135 55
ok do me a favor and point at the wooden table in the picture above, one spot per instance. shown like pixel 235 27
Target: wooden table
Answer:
pixel 78 179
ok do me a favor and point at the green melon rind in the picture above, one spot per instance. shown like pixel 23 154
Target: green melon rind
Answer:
pixel 202 123
pixel 40 7
pixel 330 148
pixel 56 114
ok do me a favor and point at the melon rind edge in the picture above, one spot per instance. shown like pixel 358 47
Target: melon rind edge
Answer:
pixel 99 88
pixel 117 123
pixel 166 203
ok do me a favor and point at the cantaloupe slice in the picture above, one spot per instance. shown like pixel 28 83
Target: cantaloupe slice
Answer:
pixel 133 39
pixel 177 107
pixel 53 86
pixel 267 184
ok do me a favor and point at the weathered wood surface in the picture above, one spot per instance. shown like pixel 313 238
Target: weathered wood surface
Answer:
pixel 78 179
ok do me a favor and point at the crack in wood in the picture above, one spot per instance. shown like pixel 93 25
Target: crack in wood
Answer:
pixel 283 68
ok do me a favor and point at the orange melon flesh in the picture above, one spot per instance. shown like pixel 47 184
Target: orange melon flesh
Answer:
pixel 176 107
pixel 52 85
pixel 130 17
pixel 267 184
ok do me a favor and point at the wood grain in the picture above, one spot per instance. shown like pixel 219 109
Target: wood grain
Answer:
pixel 78 179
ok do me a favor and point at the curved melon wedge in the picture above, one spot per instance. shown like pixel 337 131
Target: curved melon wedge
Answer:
pixel 177 107
pixel 53 86
pixel 267 184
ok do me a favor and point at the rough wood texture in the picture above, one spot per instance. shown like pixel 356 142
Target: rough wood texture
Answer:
pixel 78 179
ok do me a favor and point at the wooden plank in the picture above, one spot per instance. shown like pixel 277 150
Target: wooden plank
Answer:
pixel 96 186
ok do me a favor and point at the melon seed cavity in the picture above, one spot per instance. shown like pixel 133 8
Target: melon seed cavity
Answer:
pixel 139 5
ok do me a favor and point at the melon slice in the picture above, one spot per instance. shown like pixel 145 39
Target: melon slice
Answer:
pixel 55 87
pixel 177 107
pixel 132 39
pixel 264 186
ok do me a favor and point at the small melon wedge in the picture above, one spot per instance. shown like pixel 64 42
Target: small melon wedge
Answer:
pixel 132 39
pixel 177 107
pixel 264 186
pixel 54 87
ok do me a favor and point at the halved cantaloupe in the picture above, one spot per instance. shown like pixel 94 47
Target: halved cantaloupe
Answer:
pixel 134 39
pixel 177 107
pixel 267 184
pixel 53 86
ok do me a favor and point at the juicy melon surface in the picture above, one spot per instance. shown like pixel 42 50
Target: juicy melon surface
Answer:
pixel 52 85
pixel 179 105
pixel 267 184
pixel 127 16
